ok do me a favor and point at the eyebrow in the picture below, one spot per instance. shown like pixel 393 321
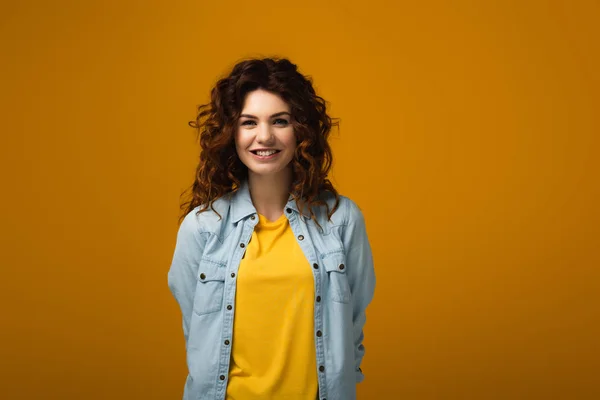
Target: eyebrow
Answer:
pixel 272 116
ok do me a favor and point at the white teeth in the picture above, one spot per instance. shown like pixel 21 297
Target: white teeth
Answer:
pixel 265 153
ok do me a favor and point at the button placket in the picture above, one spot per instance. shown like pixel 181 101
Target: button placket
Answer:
pixel 228 316
pixel 318 324
pixel 310 252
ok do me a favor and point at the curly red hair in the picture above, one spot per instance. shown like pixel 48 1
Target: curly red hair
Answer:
pixel 220 170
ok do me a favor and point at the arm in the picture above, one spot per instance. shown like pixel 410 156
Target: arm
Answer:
pixel 361 274
pixel 182 276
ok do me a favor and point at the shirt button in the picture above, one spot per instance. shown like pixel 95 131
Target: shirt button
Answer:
pixel 253 218
pixel 319 333
pixel 318 299
pixel 342 266
pixel 222 377
pixel 316 266
pixel 202 276
pixel 227 343
pixel 322 368
pixel 300 237
pixel 229 307
pixel 289 210
pixel 233 274
pixel 242 245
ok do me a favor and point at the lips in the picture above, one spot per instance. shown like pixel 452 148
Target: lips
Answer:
pixel 271 151
pixel 265 157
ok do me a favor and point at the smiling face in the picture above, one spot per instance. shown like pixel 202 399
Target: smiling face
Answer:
pixel 264 139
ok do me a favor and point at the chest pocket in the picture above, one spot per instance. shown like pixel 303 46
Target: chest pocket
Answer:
pixel 210 287
pixel 335 266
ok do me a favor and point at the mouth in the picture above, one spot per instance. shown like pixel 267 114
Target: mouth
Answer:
pixel 265 153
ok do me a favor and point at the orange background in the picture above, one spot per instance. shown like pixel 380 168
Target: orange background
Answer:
pixel 469 138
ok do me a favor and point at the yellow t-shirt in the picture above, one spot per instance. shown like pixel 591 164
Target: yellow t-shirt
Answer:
pixel 273 354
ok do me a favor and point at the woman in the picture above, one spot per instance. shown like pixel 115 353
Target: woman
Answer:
pixel 272 268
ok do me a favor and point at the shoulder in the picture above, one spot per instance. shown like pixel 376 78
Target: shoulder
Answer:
pixel 193 224
pixel 352 213
pixel 347 211
pixel 207 221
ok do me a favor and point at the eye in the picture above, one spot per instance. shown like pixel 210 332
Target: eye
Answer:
pixel 248 122
pixel 281 121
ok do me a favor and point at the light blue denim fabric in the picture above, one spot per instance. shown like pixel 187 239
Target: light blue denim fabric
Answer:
pixel 203 275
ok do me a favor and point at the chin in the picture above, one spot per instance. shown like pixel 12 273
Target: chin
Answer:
pixel 263 172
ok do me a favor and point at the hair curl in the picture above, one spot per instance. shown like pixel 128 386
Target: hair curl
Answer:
pixel 220 170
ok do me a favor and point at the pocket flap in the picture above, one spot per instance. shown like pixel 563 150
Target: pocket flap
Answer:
pixel 335 262
pixel 211 271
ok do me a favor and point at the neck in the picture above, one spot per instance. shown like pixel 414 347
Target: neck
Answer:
pixel 270 193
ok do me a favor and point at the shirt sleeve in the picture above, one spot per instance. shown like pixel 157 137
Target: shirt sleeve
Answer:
pixel 182 275
pixel 361 274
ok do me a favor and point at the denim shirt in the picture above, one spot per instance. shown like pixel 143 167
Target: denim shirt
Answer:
pixel 203 276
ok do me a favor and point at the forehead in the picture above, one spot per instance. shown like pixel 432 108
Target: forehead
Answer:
pixel 259 102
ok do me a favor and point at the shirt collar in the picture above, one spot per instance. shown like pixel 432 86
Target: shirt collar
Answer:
pixel 242 207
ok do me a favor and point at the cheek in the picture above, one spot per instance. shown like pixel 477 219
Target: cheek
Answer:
pixel 290 145
pixel 238 139
pixel 289 139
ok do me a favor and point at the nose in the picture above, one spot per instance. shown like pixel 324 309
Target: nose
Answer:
pixel 265 134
